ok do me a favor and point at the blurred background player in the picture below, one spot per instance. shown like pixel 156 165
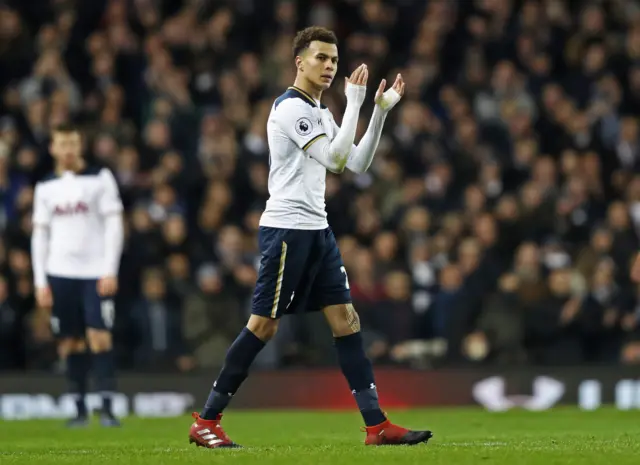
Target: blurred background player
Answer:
pixel 76 247
pixel 301 268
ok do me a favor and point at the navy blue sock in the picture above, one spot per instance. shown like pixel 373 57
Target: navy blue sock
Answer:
pixel 105 373
pixel 106 403
pixel 358 370
pixel 77 369
pixel 239 358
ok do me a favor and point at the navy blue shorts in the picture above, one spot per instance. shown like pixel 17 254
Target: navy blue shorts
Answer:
pixel 300 271
pixel 78 306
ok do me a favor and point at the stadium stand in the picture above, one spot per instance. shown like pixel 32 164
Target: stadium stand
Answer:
pixel 496 225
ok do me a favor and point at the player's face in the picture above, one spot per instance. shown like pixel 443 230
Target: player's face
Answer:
pixel 66 148
pixel 320 63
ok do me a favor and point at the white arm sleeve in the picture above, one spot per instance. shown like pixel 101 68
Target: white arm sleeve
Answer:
pixel 110 199
pixel 111 209
pixel 305 129
pixel 362 154
pixel 113 241
pixel 39 252
pixel 40 238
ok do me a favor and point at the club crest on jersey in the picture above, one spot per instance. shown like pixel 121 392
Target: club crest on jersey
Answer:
pixel 304 126
pixel 71 209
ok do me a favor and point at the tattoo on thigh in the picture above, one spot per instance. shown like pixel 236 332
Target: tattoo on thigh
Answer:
pixel 353 320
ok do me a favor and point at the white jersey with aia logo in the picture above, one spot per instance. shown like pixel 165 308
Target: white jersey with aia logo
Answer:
pixel 296 180
pixel 73 207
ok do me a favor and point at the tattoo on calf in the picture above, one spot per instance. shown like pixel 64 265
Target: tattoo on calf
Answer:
pixel 353 320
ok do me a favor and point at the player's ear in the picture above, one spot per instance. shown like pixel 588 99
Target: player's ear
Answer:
pixel 299 63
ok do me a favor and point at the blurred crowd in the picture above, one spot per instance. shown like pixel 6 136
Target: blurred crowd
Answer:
pixel 496 225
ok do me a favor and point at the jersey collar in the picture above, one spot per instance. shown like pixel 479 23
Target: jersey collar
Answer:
pixel 304 95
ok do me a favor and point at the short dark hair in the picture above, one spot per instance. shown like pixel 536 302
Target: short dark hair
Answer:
pixel 65 128
pixel 306 36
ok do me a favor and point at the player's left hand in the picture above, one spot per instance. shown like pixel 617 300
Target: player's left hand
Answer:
pixel 387 100
pixel 107 286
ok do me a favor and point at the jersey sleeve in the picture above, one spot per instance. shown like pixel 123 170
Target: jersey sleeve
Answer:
pixel 336 129
pixel 110 200
pixel 297 120
pixel 335 126
pixel 41 212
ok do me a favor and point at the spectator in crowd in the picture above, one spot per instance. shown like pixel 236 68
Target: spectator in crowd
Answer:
pixel 211 317
pixel 499 336
pixel 156 323
pixel 12 347
pixel 495 225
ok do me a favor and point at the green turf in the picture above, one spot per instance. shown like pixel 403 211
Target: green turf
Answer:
pixel 563 437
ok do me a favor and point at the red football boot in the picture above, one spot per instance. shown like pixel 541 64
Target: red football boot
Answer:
pixel 388 434
pixel 209 433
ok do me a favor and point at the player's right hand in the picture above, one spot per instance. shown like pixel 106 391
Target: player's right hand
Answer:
pixel 44 298
pixel 356 85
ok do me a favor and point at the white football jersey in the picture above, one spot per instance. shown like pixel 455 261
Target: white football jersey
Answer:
pixel 73 207
pixel 296 180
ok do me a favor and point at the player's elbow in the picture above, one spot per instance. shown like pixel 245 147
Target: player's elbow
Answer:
pixel 336 169
pixel 40 231
pixel 338 163
pixel 359 161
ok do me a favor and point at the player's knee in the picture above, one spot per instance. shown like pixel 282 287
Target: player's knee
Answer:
pixel 65 347
pixel 99 340
pixel 264 328
pixel 79 346
pixel 70 346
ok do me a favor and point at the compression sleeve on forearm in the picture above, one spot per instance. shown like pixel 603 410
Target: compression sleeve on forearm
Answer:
pixel 334 154
pixel 362 154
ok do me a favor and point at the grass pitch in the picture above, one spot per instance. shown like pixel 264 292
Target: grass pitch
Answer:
pixel 469 436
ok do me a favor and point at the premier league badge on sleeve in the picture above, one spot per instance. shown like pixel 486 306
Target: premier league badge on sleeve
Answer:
pixel 304 126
